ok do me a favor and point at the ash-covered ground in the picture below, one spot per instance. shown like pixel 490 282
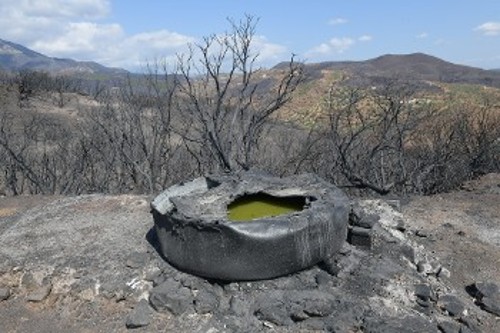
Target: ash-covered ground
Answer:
pixel 88 264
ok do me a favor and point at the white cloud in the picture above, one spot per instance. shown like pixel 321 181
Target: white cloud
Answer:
pixel 72 29
pixel 81 38
pixel 135 51
pixel 337 21
pixel 159 40
pixel 422 35
pixel 489 28
pixel 365 38
pixel 26 21
pixel 268 52
pixel 332 47
pixel 340 45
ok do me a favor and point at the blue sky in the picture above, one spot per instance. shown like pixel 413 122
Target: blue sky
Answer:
pixel 128 33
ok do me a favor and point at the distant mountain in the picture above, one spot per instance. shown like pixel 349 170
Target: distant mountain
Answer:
pixel 417 67
pixel 15 57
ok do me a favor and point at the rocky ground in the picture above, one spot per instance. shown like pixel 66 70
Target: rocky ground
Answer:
pixel 89 264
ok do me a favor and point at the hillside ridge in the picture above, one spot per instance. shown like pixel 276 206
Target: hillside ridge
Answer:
pixel 411 67
pixel 16 57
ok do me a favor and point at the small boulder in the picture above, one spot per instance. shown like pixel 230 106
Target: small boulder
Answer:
pixel 4 294
pixel 140 316
pixel 491 305
pixel 171 296
pixel 483 289
pixel 39 294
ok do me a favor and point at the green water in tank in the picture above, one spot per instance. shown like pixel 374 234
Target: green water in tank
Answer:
pixel 259 205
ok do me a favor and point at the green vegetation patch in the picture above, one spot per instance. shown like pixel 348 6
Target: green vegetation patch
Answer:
pixel 260 205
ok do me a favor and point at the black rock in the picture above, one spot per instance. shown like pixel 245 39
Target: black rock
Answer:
pixel 140 316
pixel 359 236
pixel 171 296
pixel 483 289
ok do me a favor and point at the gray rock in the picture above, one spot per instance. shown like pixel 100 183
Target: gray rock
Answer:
pixel 205 302
pixel 424 267
pixel 425 292
pixel 274 312
pixel 296 306
pixel 137 260
pixel 4 294
pixel 491 305
pixel 28 281
pixel 451 304
pixel 316 307
pixel 425 303
pixel 140 315
pixel 359 236
pixel 401 226
pixel 323 278
pixel 395 204
pixel 359 217
pixel 239 306
pixel 443 273
pixel 422 233
pixel 367 221
pixel 110 289
pixel 408 324
pixel 408 252
pixel 469 326
pixel 152 274
pixel 313 324
pixel 171 296
pixel 449 327
pixel 39 294
pixel 483 289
